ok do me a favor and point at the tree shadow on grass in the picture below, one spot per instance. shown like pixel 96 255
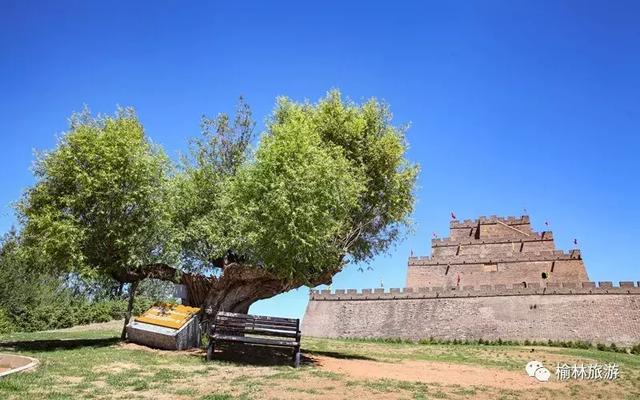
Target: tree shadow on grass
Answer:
pixel 57 344
pixel 246 354
pixel 272 356
pixel 342 356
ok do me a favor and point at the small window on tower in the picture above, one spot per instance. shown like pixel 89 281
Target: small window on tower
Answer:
pixel 544 275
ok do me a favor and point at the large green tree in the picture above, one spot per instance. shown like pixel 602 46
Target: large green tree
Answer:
pixel 328 184
pixel 100 205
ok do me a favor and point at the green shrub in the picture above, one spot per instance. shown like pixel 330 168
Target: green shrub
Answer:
pixel 31 300
pixel 6 324
pixel 585 345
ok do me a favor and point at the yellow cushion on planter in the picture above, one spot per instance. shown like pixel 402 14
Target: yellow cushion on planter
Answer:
pixel 168 315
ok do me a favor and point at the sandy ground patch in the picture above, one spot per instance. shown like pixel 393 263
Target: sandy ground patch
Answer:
pixel 551 356
pixel 431 372
pixel 115 367
pixel 322 389
pixel 134 346
pixel 72 379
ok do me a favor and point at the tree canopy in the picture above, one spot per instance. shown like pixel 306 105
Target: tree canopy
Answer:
pixel 327 184
pixel 99 204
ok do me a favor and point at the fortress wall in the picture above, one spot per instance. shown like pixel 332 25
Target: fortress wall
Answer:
pixel 490 227
pixel 534 256
pixel 493 230
pixel 537 246
pixel 492 278
pixel 491 249
pixel 461 233
pixel 599 317
pixel 490 273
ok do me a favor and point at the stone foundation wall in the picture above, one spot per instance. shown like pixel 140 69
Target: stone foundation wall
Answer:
pixel 603 314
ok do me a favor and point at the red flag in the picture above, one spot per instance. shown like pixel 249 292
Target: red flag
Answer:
pixel 453 216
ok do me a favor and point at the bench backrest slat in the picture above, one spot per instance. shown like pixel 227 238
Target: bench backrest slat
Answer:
pixel 256 317
pixel 241 324
pixel 256 325
pixel 279 335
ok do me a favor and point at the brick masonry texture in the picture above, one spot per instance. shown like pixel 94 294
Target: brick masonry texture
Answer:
pixel 486 282
pixel 607 318
pixel 494 250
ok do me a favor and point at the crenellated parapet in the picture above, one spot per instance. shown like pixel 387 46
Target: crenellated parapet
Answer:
pixel 522 289
pixel 544 236
pixel 550 255
pixel 488 220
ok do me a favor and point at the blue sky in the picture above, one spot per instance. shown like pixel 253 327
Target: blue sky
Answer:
pixel 512 104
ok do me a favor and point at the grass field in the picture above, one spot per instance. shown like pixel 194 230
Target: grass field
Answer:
pixel 91 363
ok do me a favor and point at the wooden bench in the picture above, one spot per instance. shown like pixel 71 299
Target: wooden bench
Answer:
pixel 255 330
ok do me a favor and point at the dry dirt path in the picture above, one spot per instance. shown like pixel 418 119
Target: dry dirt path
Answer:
pixel 432 372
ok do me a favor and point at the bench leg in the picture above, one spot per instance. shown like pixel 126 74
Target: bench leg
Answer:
pixel 297 357
pixel 210 350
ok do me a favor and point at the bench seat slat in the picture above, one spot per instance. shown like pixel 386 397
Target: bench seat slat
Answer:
pixel 256 340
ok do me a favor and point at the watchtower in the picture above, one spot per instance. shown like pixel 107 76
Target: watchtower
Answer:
pixel 495 250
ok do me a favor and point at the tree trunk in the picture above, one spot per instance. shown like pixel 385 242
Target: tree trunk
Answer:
pixel 198 287
pixel 132 294
pixel 235 290
pixel 239 287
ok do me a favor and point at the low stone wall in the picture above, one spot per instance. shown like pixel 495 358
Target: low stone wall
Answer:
pixel 594 313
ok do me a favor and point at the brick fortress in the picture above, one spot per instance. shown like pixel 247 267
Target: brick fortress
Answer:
pixel 492 278
pixel 495 251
